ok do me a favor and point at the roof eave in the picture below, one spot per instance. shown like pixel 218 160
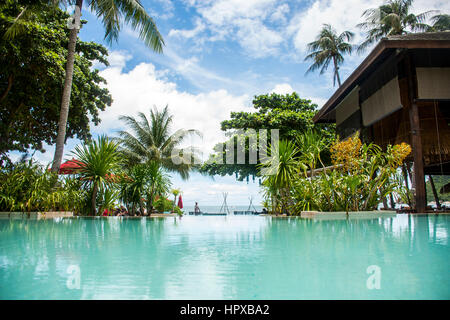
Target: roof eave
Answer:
pixel 384 44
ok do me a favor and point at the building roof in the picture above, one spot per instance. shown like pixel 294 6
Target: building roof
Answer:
pixel 385 48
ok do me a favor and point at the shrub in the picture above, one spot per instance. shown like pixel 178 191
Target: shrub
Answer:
pixel 163 204
pixel 27 186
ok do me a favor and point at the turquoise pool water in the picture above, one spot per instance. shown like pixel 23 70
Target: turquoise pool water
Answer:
pixel 242 257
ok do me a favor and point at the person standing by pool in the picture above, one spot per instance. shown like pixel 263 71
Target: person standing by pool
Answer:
pixel 196 208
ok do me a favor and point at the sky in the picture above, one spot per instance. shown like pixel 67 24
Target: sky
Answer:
pixel 218 55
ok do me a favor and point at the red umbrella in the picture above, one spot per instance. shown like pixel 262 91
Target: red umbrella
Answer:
pixel 180 202
pixel 70 166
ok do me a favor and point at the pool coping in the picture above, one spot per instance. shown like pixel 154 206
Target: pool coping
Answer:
pixel 70 214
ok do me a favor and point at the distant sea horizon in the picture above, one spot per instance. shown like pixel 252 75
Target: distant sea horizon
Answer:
pixel 215 208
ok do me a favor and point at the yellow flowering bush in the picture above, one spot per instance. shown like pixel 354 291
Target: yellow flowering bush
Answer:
pixel 346 152
pixel 398 154
pixel 367 176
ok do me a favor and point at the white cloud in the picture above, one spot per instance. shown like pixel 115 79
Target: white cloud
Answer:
pixel 279 16
pixel 342 15
pixel 282 88
pixel 258 40
pixel 188 34
pixel 242 21
pixel 144 87
pixel 118 59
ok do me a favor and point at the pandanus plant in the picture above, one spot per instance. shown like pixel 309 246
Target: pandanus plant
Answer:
pixel 99 161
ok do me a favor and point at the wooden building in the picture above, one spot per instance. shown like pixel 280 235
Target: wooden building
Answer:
pixel 400 93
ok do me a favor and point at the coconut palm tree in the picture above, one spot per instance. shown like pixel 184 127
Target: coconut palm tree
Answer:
pixel 150 139
pixel 441 22
pixel 392 18
pixel 329 47
pixel 112 13
pixel 98 161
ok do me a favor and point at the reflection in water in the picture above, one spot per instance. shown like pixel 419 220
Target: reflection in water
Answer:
pixel 242 257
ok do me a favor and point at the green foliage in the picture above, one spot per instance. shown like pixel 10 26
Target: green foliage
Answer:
pixel 288 113
pixel 439 182
pixel 143 181
pixel 280 173
pixel 152 141
pixel 32 70
pixel 394 17
pixel 178 211
pixel 99 161
pixel 441 22
pixel 26 186
pixel 357 182
pixel 107 199
pixel 329 47
pixel 163 205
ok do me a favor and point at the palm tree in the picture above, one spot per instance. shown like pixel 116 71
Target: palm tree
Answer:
pixel 441 22
pixel 159 182
pixel 98 161
pixel 392 18
pixel 151 140
pixel 143 180
pixel 112 13
pixel 329 47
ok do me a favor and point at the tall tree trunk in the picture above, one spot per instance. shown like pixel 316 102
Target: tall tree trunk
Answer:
pixel 436 198
pixel 94 198
pixel 385 204
pixel 141 206
pixel 405 176
pixel 65 100
pixel 336 71
pixel 391 198
pixel 149 205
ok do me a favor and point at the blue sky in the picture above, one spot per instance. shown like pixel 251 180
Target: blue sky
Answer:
pixel 218 55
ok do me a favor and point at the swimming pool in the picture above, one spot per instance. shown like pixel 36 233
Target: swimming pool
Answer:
pixel 233 257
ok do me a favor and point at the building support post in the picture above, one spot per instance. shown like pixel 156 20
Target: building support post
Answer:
pixel 416 140
pixel 433 188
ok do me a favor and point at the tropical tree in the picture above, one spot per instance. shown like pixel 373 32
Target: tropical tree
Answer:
pixel 151 140
pixel 392 18
pixel 159 182
pixel 143 181
pixel 112 14
pixel 329 47
pixel 441 22
pixel 99 160
pixel 281 170
pixel 32 79
pixel 288 113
